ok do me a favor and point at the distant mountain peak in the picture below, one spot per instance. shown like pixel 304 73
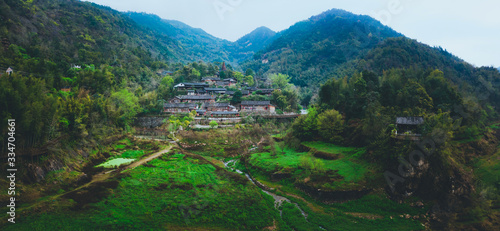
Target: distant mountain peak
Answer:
pixel 257 39
pixel 263 29
pixel 316 47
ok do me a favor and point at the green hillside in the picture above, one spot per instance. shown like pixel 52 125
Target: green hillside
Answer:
pixel 397 135
pixel 60 33
pixel 195 44
pixel 191 43
pixel 255 41
pixel 311 50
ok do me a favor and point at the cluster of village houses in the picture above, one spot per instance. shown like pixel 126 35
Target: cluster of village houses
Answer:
pixel 203 98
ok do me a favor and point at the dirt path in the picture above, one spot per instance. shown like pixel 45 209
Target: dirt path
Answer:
pixel 106 175
pixel 309 204
pixel 101 177
pixel 147 159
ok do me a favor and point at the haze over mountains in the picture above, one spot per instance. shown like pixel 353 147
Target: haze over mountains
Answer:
pixel 335 43
pixel 195 44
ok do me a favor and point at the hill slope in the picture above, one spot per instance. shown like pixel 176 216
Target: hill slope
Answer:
pixel 74 32
pixel 193 43
pixel 256 40
pixel 312 49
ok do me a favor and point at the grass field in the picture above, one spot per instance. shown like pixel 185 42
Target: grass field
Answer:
pixel 173 192
pixel 370 212
pixel 349 166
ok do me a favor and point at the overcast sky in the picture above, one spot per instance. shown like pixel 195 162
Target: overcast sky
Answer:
pixel 468 29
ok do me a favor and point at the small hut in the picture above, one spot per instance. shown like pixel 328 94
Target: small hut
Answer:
pixel 9 71
pixel 408 127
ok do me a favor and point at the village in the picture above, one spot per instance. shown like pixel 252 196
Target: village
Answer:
pixel 212 99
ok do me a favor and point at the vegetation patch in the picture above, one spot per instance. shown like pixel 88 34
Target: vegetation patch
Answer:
pixel 305 167
pixel 133 154
pixel 325 155
pixel 173 191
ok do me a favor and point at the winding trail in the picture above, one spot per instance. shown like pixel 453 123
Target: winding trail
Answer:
pixel 147 159
pixel 101 177
pixel 106 175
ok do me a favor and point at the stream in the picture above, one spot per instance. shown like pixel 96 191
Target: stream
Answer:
pixel 278 200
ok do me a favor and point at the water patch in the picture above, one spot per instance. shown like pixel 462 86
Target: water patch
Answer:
pixel 115 162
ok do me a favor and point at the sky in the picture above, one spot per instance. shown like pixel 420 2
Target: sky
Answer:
pixel 467 29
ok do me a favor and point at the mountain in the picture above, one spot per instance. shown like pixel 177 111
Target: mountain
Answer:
pixel 406 53
pixel 256 40
pixel 74 32
pixel 193 44
pixel 311 50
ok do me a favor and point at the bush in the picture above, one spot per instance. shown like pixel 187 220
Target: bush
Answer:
pixel 213 124
pixel 330 126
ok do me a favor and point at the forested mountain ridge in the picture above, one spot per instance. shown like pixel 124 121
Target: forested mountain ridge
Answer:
pixel 193 44
pixel 196 44
pixel 311 50
pixel 74 32
pixel 256 40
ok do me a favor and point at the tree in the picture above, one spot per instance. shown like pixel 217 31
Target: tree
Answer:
pixel 286 100
pixel 249 80
pixel 240 77
pixel 330 126
pixel 213 124
pixel 165 88
pixel 127 106
pixel 236 97
pixel 413 95
pixel 195 74
pixel 305 127
pixel 279 80
pixel 192 114
pixel 249 72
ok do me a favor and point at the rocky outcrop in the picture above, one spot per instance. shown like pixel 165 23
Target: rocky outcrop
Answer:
pixel 37 173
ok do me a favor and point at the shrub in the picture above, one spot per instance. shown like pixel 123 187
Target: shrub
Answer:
pixel 213 124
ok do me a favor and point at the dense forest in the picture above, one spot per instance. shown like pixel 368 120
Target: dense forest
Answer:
pixel 82 74
pixel 311 50
pixel 196 44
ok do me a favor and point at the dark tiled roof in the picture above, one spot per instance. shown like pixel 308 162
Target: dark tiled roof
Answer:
pixel 225 113
pixel 230 92
pixel 266 91
pixel 245 92
pixel 205 105
pixel 215 89
pixel 195 84
pixel 180 105
pixel 255 103
pixel 410 120
pixel 221 83
pixel 210 78
pixel 196 97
